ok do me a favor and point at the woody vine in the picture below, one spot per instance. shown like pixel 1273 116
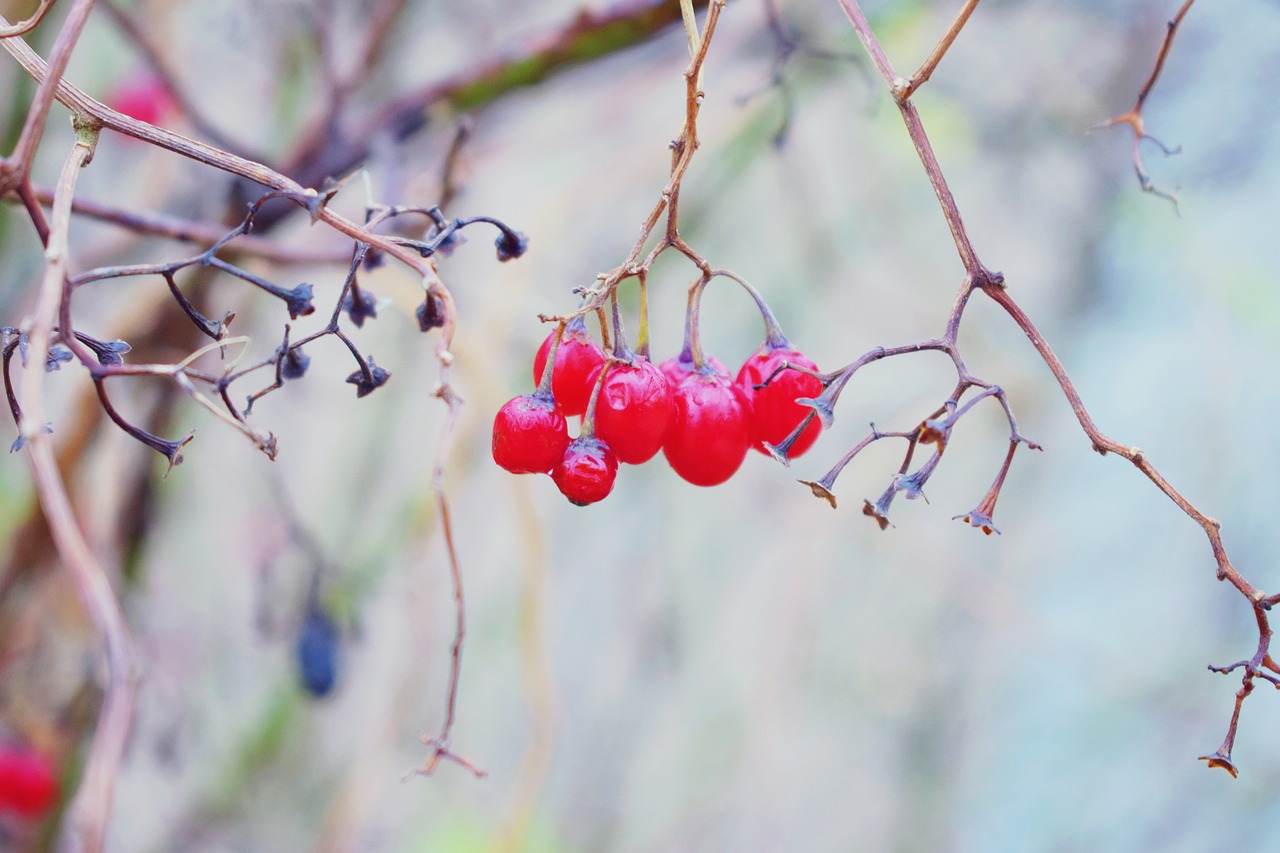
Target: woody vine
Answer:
pixel 777 402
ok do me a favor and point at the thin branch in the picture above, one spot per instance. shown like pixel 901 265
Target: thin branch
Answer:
pixel 440 743
pixel 993 285
pixel 199 233
pixel 91 808
pixel 1133 118
pixel 925 71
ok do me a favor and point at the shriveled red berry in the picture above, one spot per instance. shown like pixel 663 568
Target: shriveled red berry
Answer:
pixel 774 407
pixel 28 783
pixel 586 472
pixel 710 430
pixel 633 410
pixel 529 434
pixel 577 361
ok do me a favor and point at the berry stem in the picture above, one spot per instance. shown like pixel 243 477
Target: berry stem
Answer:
pixel 589 417
pixel 642 336
pixel 692 343
pixel 620 349
pixel 773 336
pixel 548 369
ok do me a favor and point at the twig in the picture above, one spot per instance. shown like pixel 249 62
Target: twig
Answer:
pixel 1133 118
pixel 199 233
pixel 440 742
pixel 978 277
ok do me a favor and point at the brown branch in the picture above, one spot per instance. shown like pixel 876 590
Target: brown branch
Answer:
pixel 200 233
pixel 590 34
pixel 925 71
pixel 99 113
pixel 440 742
pixel 1133 118
pixel 992 284
pixel 91 808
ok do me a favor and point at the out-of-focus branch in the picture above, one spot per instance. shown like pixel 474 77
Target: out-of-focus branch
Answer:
pixel 199 233
pixel 589 35
pixel 1133 118
pixel 164 71
pixel 91 809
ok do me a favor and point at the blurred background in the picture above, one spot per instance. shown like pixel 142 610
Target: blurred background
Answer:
pixel 678 668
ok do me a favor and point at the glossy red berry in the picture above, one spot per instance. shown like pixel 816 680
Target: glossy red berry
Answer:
pixel 633 410
pixel 774 407
pixel 577 362
pixel 586 472
pixel 28 783
pixel 710 430
pixel 529 434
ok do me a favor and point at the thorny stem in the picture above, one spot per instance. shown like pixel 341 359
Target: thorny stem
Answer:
pixel 91 807
pixel 992 284
pixel 1133 118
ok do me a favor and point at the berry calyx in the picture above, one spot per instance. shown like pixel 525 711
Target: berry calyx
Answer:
pixel 28 783
pixel 774 406
pixel 711 428
pixel 678 368
pixel 634 410
pixel 577 359
pixel 530 434
pixel 586 472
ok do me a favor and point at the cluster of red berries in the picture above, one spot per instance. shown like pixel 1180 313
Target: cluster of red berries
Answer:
pixel 702 419
pixel 28 784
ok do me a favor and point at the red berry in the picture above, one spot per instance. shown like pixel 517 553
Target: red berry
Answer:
pixel 577 360
pixel 143 97
pixel 633 410
pixel 586 472
pixel 529 434
pixel 775 408
pixel 710 430
pixel 28 784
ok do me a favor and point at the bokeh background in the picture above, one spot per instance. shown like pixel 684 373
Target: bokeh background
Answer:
pixel 737 668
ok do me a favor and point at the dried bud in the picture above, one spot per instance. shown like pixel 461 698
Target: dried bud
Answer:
pixel 511 244
pixel 880 509
pixel 1220 761
pixel 294 364
pixel 56 356
pixel 360 305
pixel 430 313
pixel 299 301
pixel 367 384
pixel 978 518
